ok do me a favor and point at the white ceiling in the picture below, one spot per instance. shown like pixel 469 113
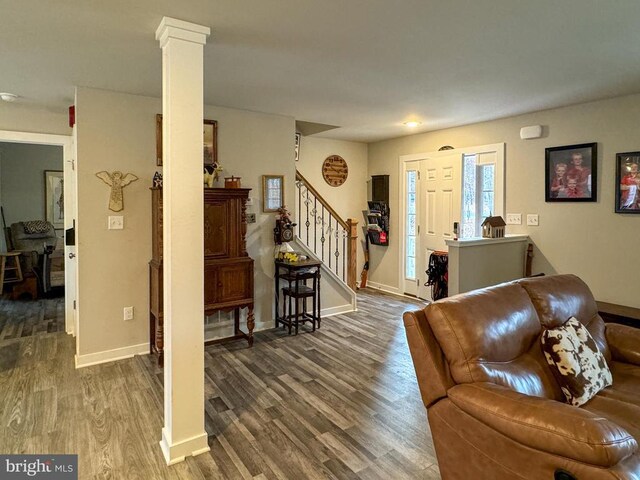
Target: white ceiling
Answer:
pixel 366 65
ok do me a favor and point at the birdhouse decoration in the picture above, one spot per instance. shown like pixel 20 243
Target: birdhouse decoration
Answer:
pixel 493 227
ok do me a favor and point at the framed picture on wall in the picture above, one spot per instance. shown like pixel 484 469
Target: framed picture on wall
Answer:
pixel 571 173
pixel 628 182
pixel 272 193
pixel 297 147
pixel 54 198
pixel 209 141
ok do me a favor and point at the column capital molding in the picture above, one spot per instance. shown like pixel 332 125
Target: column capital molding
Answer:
pixel 172 28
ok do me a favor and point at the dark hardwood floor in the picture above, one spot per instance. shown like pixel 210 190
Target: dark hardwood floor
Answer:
pixel 341 403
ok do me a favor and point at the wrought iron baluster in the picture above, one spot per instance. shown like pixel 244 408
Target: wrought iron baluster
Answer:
pixel 344 256
pixel 315 224
pixel 337 253
pixel 306 202
pixel 329 233
pixel 300 209
pixel 322 238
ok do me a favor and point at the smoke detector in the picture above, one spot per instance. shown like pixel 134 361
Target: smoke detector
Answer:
pixel 8 97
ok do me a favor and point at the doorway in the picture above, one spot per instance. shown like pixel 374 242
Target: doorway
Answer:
pixel 52 208
pixel 439 189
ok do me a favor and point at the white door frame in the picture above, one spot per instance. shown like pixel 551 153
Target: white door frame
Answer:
pixel 499 148
pixel 66 142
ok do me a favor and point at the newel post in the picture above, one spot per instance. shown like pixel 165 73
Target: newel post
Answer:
pixel 352 252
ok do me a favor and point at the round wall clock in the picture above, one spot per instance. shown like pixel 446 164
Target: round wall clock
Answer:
pixel 335 170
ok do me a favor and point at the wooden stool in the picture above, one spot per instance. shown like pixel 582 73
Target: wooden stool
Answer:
pixel 14 271
pixel 299 291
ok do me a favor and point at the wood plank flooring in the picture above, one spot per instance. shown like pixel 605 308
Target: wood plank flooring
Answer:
pixel 341 403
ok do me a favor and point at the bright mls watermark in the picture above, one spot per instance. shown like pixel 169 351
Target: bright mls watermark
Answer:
pixel 51 467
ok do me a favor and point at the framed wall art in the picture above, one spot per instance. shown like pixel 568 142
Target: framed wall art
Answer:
pixel 628 182
pixel 571 173
pixel 209 141
pixel 54 198
pixel 272 192
pixel 297 146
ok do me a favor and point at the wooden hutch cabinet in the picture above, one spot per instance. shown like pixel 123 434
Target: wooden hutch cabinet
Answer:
pixel 228 269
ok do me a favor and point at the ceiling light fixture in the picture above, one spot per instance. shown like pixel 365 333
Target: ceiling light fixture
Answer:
pixel 412 124
pixel 8 97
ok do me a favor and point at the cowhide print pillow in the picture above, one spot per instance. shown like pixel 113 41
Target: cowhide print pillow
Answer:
pixel 35 226
pixel 576 361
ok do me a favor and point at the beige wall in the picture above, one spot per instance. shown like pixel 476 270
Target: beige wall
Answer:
pixel 117 132
pixel 350 198
pixel 114 132
pixel 587 239
pixel 18 117
pixel 22 179
pixel 251 145
pixel 22 117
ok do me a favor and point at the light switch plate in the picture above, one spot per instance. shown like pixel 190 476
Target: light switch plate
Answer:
pixel 532 219
pixel 251 218
pixel 514 219
pixel 116 222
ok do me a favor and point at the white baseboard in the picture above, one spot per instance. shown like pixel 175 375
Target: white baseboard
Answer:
pixel 340 309
pixel 391 290
pixel 89 359
pixel 179 451
pixel 384 288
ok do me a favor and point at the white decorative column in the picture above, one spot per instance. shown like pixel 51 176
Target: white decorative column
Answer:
pixel 182 46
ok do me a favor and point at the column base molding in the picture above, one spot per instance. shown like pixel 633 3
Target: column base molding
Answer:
pixel 177 452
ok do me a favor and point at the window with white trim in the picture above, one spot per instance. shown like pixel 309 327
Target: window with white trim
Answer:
pixel 412 228
pixel 478 193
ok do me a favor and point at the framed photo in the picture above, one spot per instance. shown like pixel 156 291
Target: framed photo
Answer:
pixel 272 192
pixel 209 141
pixel 54 198
pixel 628 182
pixel 297 148
pixel 571 173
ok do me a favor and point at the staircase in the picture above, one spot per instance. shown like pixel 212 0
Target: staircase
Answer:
pixel 325 234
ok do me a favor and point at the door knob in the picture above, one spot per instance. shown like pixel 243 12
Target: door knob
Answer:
pixel 72 255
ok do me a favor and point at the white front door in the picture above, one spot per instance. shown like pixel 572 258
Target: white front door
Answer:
pixel 440 206
pixel 442 197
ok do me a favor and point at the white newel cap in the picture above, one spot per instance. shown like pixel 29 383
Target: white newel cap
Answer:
pixel 179 29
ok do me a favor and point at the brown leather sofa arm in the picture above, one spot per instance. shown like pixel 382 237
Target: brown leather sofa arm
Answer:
pixel 624 343
pixel 545 424
pixel 432 370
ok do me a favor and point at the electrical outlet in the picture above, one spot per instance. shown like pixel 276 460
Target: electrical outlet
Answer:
pixel 116 222
pixel 514 219
pixel 532 219
pixel 251 218
pixel 128 313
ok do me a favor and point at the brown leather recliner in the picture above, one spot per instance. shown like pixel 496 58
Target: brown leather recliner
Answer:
pixel 494 407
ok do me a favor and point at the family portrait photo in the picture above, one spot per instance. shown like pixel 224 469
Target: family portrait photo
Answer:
pixel 571 173
pixel 627 182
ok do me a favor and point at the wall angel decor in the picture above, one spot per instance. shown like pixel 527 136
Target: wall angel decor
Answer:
pixel 117 181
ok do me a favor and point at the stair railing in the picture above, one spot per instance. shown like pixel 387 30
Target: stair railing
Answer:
pixel 331 238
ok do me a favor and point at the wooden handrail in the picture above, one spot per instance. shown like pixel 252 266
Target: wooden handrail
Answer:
pixel 324 203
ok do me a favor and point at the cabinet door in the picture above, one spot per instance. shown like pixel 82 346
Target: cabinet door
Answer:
pixel 216 229
pixel 234 281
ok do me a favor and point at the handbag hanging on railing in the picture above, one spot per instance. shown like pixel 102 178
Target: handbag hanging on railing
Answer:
pixel 438 275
